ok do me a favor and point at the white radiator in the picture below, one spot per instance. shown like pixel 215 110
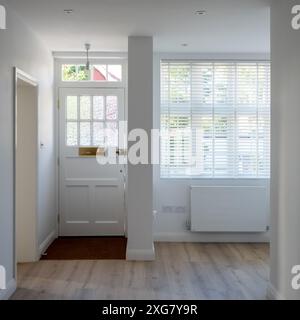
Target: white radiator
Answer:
pixel 228 209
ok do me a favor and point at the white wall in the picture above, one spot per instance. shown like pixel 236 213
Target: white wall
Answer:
pixel 26 173
pixel 140 185
pixel 285 181
pixel 172 197
pixel 20 47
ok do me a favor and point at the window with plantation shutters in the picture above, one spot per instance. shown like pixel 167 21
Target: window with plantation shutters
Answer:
pixel 215 119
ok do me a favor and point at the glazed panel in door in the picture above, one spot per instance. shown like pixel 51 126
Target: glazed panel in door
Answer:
pixel 91 195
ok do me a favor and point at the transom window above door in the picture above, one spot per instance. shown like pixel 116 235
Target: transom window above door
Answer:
pixel 92 120
pixel 97 73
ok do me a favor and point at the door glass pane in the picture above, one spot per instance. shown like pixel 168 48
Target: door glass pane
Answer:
pixel 85 134
pixel 111 134
pixel 99 73
pixel 83 74
pixel 98 108
pixel 85 107
pixel 98 134
pixel 111 108
pixel 72 108
pixel 114 72
pixel 72 134
pixel 69 72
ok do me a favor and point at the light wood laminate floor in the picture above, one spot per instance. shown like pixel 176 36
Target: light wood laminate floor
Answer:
pixel 181 271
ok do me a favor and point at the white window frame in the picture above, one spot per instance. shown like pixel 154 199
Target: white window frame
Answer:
pixel 205 58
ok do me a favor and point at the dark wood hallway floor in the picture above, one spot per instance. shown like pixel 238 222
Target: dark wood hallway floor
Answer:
pixel 87 248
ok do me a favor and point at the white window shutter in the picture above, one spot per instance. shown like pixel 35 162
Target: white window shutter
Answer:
pixel 215 119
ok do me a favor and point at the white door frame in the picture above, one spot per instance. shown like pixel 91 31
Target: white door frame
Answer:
pixel 78 57
pixel 21 75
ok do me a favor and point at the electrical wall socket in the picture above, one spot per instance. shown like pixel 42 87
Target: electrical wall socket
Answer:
pixel 188 224
pixel 174 209
pixel 167 209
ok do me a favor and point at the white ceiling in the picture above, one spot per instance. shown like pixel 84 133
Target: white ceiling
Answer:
pixel 230 26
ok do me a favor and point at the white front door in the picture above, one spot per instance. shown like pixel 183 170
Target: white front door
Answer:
pixel 91 195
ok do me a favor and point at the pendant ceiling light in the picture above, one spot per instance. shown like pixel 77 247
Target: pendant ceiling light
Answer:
pixel 87 47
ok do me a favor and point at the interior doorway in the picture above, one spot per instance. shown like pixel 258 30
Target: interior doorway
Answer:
pixel 26 167
pixel 91 196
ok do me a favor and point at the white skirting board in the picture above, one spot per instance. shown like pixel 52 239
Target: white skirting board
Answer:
pixel 140 254
pixel 46 243
pixel 10 289
pixel 207 237
pixel 228 208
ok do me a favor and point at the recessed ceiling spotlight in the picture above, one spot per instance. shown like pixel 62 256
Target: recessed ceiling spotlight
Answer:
pixel 68 11
pixel 200 12
pixel 184 44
